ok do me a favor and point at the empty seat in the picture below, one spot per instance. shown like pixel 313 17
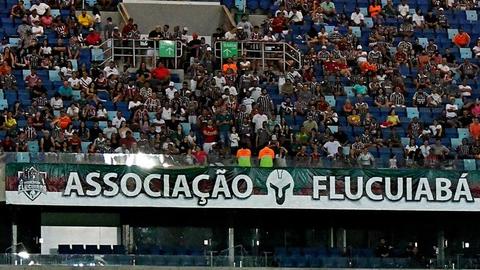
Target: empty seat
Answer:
pixel 91 249
pixel 78 249
pixel 64 249
pixel 105 249
pixel 118 249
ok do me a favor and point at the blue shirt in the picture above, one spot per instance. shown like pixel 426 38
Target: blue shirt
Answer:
pixel 65 91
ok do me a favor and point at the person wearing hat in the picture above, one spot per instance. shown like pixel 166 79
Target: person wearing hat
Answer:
pixel 84 19
pixel 442 19
pixel 37 29
pixel 93 38
pixel 241 34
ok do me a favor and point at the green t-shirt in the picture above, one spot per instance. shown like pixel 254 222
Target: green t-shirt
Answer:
pixel 327 7
pixel 222 118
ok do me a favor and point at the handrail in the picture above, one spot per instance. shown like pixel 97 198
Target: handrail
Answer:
pixel 122 9
pixel 229 22
pixel 267 51
pixel 107 52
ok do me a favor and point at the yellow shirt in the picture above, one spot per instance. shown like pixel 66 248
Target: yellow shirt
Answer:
pixel 393 119
pixel 10 122
pixel 84 20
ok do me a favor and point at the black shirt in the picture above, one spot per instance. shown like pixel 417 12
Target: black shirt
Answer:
pixel 145 72
pixel 450 58
pixel 153 34
pixel 40 89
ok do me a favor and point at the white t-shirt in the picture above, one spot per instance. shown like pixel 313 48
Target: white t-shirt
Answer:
pixel 56 103
pixel 38 30
pixel 73 81
pixel 258 119
pixel 219 82
pixel 435 129
pixel 156 122
pixel 133 104
pixel 465 87
pixel 117 122
pixel 71 112
pixel 67 72
pixel 167 114
pixel 357 18
pixel 332 147
pixel 417 19
pixel 256 92
pixel 451 114
pixel 102 112
pixel 234 139
pixel 170 92
pixel 230 36
pixel 404 10
pixel 41 8
pixel 109 71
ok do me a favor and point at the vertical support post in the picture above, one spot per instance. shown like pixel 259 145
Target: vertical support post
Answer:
pixel 126 237
pixel 231 247
pixel 441 248
pixel 14 234
pixel 332 237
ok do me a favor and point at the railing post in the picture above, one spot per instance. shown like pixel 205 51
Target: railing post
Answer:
pixel 112 42
pixel 263 55
pixel 221 58
pixel 284 62
pixel 175 56
pixel 134 53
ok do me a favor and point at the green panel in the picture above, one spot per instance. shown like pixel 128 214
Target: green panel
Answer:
pixel 229 49
pixel 166 48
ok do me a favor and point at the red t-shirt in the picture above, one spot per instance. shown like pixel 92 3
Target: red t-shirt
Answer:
pixel 75 144
pixel 279 28
pixel 200 156
pixel 128 142
pixel 93 39
pixel 159 73
pixel 209 139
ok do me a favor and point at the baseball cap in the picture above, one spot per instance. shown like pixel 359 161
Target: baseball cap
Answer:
pixel 185 28
pixel 171 84
pixel 115 28
pixel 324 47
pixel 359 47
pixel 440 9
pixel 209 49
pixel 91 29
pixel 240 28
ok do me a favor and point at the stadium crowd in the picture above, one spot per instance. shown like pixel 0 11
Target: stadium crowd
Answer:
pixel 239 104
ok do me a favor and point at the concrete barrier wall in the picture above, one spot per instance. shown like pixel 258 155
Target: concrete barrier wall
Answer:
pixel 2 181
pixel 47 267
pixel 148 15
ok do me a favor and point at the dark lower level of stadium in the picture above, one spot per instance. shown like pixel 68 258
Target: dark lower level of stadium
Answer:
pixel 284 238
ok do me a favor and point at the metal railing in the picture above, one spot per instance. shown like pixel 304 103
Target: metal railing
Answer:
pixel 205 260
pixel 264 52
pixel 184 161
pixel 140 50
